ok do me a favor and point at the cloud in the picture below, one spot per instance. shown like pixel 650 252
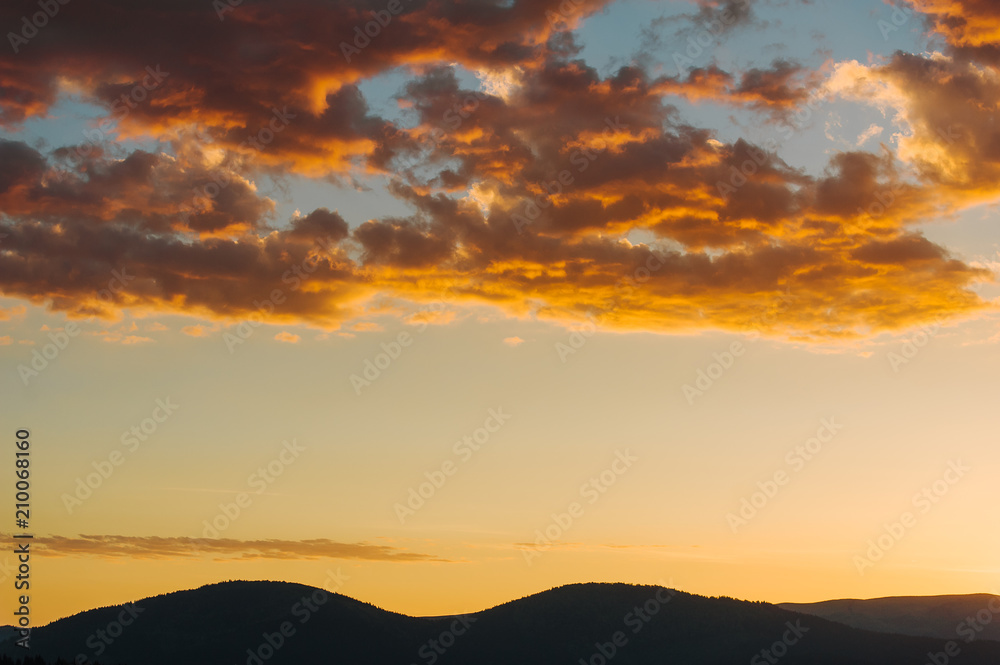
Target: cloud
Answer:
pixel 715 19
pixel 6 340
pixel 521 196
pixel 135 225
pixel 135 339
pixel 195 331
pixel 155 547
pixel 943 107
pixel 14 312
pixel 320 224
pixel 287 337
pixel 151 193
pixel 229 76
pixel 993 339
pixel 726 13
pixel 120 338
pixel 776 228
pixel 367 326
pixel 971 27
pixel 872 131
pixel 991 263
pixel 513 341
pixel 431 317
pixel 776 90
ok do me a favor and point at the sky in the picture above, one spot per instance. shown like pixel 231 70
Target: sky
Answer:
pixel 501 295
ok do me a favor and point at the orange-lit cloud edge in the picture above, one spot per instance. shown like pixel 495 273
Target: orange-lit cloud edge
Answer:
pixel 554 171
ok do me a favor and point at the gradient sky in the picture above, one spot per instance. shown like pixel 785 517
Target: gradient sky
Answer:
pixel 851 266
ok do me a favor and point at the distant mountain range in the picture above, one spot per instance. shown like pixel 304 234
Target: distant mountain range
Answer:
pixel 958 618
pixel 275 623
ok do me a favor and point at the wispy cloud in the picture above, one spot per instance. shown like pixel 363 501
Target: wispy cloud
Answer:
pixel 872 131
pixel 156 547
pixel 195 331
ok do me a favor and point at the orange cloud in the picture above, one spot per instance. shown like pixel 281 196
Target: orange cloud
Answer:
pixel 155 547
pixel 303 109
pixel 195 331
pixel 526 203
pixel 966 24
pixel 135 339
pixel 287 337
pixel 119 338
pixel 13 312
pixel 367 326
pixel 776 90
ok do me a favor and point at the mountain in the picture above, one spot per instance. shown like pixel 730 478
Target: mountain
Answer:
pixel 944 617
pixel 592 623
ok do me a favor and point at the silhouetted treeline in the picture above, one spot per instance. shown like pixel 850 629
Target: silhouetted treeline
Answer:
pixel 273 623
